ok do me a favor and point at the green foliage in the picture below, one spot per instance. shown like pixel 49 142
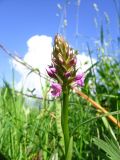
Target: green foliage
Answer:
pixel 35 133
pixel 70 149
pixel 29 132
pixel 110 146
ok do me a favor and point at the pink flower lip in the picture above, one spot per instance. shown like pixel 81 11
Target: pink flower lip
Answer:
pixel 56 89
pixel 79 79
pixel 79 76
pixel 51 71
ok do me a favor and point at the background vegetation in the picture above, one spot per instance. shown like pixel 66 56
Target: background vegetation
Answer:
pixel 33 132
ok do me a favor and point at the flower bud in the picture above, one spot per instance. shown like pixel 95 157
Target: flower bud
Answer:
pixel 73 61
pixel 51 71
pixel 67 74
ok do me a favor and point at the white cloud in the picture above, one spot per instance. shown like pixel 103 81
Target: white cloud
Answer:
pixel 38 56
pixel 84 62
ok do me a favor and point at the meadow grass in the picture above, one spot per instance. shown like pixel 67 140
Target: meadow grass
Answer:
pixel 28 132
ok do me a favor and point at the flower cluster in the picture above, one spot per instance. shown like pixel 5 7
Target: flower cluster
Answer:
pixel 63 67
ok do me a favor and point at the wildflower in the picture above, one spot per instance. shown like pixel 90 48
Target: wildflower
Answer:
pixel 51 71
pixel 64 60
pixel 63 71
pixel 79 79
pixel 56 89
pixel 63 68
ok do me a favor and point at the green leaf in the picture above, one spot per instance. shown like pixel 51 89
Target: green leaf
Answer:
pixel 109 146
pixel 102 35
pixel 117 79
pixel 70 148
pixel 58 123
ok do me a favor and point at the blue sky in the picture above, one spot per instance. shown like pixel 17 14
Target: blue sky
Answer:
pixel 22 19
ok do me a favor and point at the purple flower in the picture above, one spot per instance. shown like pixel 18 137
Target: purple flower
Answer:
pixel 67 74
pixel 79 79
pixel 56 89
pixel 51 71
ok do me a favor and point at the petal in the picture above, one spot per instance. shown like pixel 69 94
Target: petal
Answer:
pixel 56 89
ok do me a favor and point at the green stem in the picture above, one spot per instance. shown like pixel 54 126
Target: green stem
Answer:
pixel 64 118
